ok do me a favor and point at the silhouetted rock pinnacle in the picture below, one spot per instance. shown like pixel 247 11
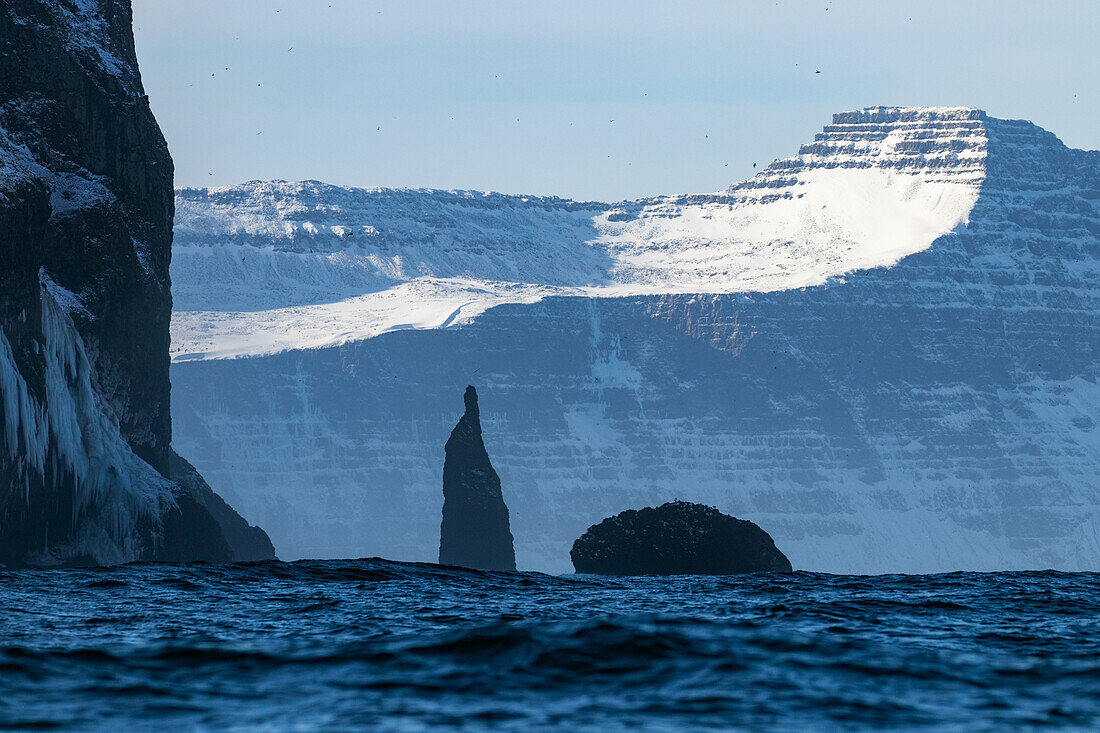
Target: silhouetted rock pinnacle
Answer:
pixel 677 538
pixel 475 532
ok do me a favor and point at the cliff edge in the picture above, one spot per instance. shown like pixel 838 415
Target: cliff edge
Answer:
pixel 86 208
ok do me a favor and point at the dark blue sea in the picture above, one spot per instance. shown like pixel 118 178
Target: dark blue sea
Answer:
pixel 377 645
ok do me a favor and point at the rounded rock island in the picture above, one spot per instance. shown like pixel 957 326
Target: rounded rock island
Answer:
pixel 677 538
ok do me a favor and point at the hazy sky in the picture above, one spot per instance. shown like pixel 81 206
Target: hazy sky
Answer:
pixel 593 100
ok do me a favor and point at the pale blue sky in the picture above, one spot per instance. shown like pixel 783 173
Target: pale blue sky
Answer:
pixel 520 96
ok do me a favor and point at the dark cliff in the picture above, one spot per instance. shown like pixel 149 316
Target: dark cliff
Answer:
pixel 475 531
pixel 86 206
pixel 677 538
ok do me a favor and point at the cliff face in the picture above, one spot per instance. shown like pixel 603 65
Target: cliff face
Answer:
pixel 86 209
pixel 474 532
pixel 92 199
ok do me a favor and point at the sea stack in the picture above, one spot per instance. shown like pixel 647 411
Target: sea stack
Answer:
pixel 475 531
pixel 677 538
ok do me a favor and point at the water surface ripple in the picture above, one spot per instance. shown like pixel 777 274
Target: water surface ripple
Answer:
pixel 394 646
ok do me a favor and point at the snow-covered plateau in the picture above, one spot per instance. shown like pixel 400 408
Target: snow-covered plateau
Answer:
pixel 884 350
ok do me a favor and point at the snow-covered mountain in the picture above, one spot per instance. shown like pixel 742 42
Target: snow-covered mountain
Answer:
pixel 883 350
pixel 268 266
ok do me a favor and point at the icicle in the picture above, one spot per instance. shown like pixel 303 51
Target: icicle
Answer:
pixel 114 490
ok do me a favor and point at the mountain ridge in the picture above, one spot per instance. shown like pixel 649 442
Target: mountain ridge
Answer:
pixel 935 414
pixel 875 186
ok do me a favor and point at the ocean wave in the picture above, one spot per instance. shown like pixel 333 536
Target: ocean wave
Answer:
pixel 364 643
